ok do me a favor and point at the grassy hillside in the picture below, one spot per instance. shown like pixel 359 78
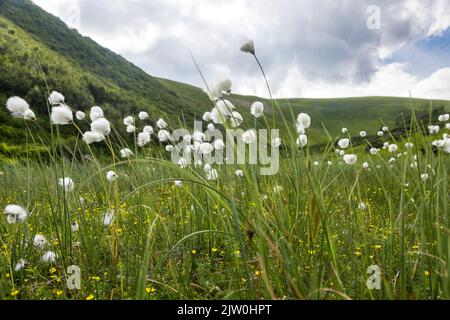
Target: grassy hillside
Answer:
pixel 89 56
pixel 356 114
pixel 39 53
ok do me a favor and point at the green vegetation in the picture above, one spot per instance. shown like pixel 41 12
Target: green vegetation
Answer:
pixel 154 229
pixel 308 232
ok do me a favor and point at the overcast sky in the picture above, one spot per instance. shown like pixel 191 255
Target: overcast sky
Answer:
pixel 309 48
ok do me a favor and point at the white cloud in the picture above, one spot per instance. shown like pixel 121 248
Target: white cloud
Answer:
pixel 309 48
pixel 435 86
pixel 389 80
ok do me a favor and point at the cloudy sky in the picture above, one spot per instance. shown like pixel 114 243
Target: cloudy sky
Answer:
pixel 309 48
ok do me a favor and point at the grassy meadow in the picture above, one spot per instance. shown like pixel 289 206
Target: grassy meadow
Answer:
pixel 164 231
pixel 359 208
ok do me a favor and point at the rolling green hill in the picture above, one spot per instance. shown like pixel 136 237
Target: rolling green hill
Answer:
pixel 39 53
pixel 356 114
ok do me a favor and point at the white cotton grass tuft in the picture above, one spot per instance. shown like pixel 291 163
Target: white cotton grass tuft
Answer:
pixel 350 159
pixel 257 109
pixel 344 143
pixel 443 144
pixel 236 119
pixel 249 136
pixel 365 165
pixel 29 115
pixel 207 116
pixel 108 218
pixel 67 184
pixel 61 115
pixel 96 113
pixel 101 126
pixel 15 213
pixel 131 128
pixel 433 129
pixel 90 137
pixel 276 142
pixel 143 115
pixel 392 148
pixel 239 173
pixel 424 177
pixel 219 144
pixel 436 143
pixel 148 129
pixel 373 151
pixel 198 136
pixel 363 134
pixel 362 206
pixel 126 153
pixel 111 176
pixel 344 130
pixel 169 148
pixel 211 127
pixel 40 241
pixel 143 138
pixel 20 265
pixel 56 98
pixel 80 115
pixel 17 106
pixel 128 121
pixel 164 135
pixel 74 227
pixel 444 117
pixel 217 116
pixel 178 183
pixel 211 175
pixel 221 88
pixel 161 123
pixel 302 140
pixel 49 257
pixel 303 122
pixel 380 133
pixel 248 46
pixel 223 110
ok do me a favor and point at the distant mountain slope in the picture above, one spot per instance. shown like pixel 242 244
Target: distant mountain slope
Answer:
pixel 88 55
pixel 39 53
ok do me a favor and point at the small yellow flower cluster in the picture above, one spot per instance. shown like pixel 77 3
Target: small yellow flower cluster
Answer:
pixel 150 290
